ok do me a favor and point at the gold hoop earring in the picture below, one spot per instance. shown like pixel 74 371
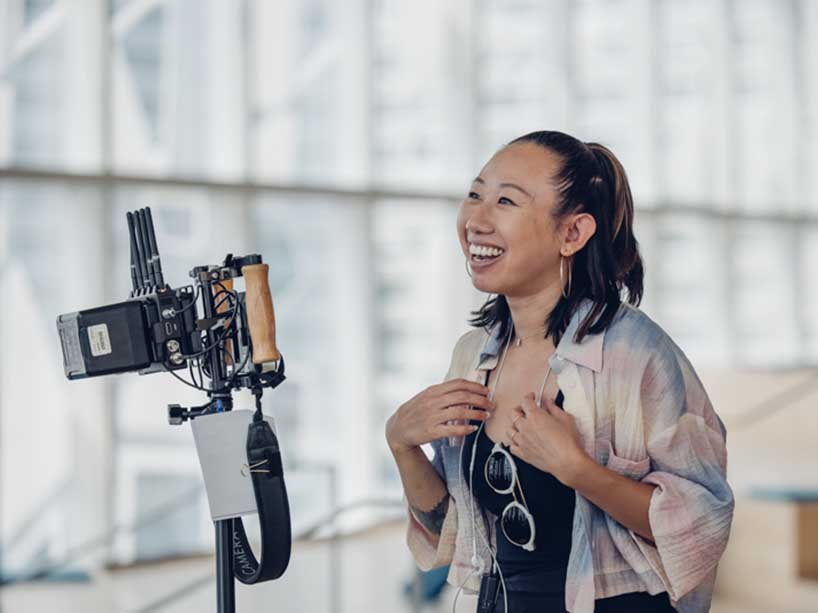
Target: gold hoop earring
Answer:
pixel 562 281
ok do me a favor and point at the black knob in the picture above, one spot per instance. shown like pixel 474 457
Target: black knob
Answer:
pixel 177 414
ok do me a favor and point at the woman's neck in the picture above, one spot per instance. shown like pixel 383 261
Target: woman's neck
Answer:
pixel 529 314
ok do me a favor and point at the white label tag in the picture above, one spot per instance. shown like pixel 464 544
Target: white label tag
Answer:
pixel 99 339
pixel 221 444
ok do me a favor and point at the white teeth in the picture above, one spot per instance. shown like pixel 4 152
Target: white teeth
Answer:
pixel 483 250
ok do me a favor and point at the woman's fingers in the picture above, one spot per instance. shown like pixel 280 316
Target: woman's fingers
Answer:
pixel 462 397
pixel 554 410
pixel 422 418
pixel 462 412
pixel 454 430
pixel 465 385
pixel 528 403
pixel 516 415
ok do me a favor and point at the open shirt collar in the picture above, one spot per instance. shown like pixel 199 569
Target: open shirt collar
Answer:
pixel 588 353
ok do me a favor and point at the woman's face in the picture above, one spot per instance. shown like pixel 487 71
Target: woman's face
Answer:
pixel 508 208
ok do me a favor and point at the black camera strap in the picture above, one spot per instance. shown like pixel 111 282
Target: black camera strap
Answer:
pixel 266 471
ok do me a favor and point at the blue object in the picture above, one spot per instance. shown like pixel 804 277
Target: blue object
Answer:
pixel 431 584
pixel 784 494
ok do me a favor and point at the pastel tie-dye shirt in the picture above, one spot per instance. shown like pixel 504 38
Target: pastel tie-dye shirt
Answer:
pixel 641 411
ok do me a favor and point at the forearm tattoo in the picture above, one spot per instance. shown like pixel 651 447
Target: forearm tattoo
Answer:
pixel 433 520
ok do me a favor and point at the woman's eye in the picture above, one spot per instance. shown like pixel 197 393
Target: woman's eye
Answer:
pixel 474 195
pixel 507 200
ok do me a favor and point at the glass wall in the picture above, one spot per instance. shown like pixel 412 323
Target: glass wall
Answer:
pixel 336 138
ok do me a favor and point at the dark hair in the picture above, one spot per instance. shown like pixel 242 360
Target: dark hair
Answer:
pixel 590 179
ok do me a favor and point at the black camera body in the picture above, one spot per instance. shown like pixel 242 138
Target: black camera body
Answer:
pixel 147 334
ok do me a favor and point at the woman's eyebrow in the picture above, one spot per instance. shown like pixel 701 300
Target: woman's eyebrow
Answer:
pixel 514 185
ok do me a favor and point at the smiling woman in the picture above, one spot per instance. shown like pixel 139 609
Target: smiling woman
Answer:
pixel 602 488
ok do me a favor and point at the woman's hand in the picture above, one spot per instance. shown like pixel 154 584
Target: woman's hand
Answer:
pixel 546 437
pixel 423 418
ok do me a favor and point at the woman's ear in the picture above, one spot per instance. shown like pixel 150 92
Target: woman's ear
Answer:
pixel 578 232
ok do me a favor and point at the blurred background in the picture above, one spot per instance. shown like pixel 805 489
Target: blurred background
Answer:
pixel 337 138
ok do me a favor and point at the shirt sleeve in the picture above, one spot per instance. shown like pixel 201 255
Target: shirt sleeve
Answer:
pixel 691 508
pixel 421 542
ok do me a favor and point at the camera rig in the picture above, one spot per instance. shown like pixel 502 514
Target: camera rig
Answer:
pixel 229 345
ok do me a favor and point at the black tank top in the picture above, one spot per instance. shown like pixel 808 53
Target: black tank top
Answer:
pixel 551 503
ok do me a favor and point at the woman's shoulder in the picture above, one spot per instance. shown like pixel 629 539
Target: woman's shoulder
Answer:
pixel 465 349
pixel 471 340
pixel 634 331
pixel 646 356
pixel 631 321
pixel 639 351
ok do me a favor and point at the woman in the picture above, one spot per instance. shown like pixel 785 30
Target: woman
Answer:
pixel 602 487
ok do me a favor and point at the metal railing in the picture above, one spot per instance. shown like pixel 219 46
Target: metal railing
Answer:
pixel 316 531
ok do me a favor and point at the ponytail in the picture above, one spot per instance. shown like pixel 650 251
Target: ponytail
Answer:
pixel 616 192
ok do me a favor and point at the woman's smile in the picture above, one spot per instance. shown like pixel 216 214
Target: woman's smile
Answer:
pixel 482 262
pixel 483 256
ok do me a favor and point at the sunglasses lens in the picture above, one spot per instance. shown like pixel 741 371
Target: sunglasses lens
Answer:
pixel 516 525
pixel 499 473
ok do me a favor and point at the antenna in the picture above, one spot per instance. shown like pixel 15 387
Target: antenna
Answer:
pixel 136 274
pixel 154 249
pixel 142 242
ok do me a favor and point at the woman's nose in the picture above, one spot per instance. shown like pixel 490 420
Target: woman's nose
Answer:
pixel 477 221
pixel 477 229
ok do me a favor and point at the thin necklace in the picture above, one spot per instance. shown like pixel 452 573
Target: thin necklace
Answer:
pixel 500 372
pixel 519 340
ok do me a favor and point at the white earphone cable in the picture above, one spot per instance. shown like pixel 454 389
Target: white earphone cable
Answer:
pixel 477 562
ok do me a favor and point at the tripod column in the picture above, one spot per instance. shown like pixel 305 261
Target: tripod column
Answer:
pixel 225 586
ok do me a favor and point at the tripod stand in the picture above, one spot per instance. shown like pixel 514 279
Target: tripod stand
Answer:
pixel 225 586
pixel 230 538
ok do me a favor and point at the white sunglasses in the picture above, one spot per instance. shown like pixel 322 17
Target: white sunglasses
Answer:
pixel 516 520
